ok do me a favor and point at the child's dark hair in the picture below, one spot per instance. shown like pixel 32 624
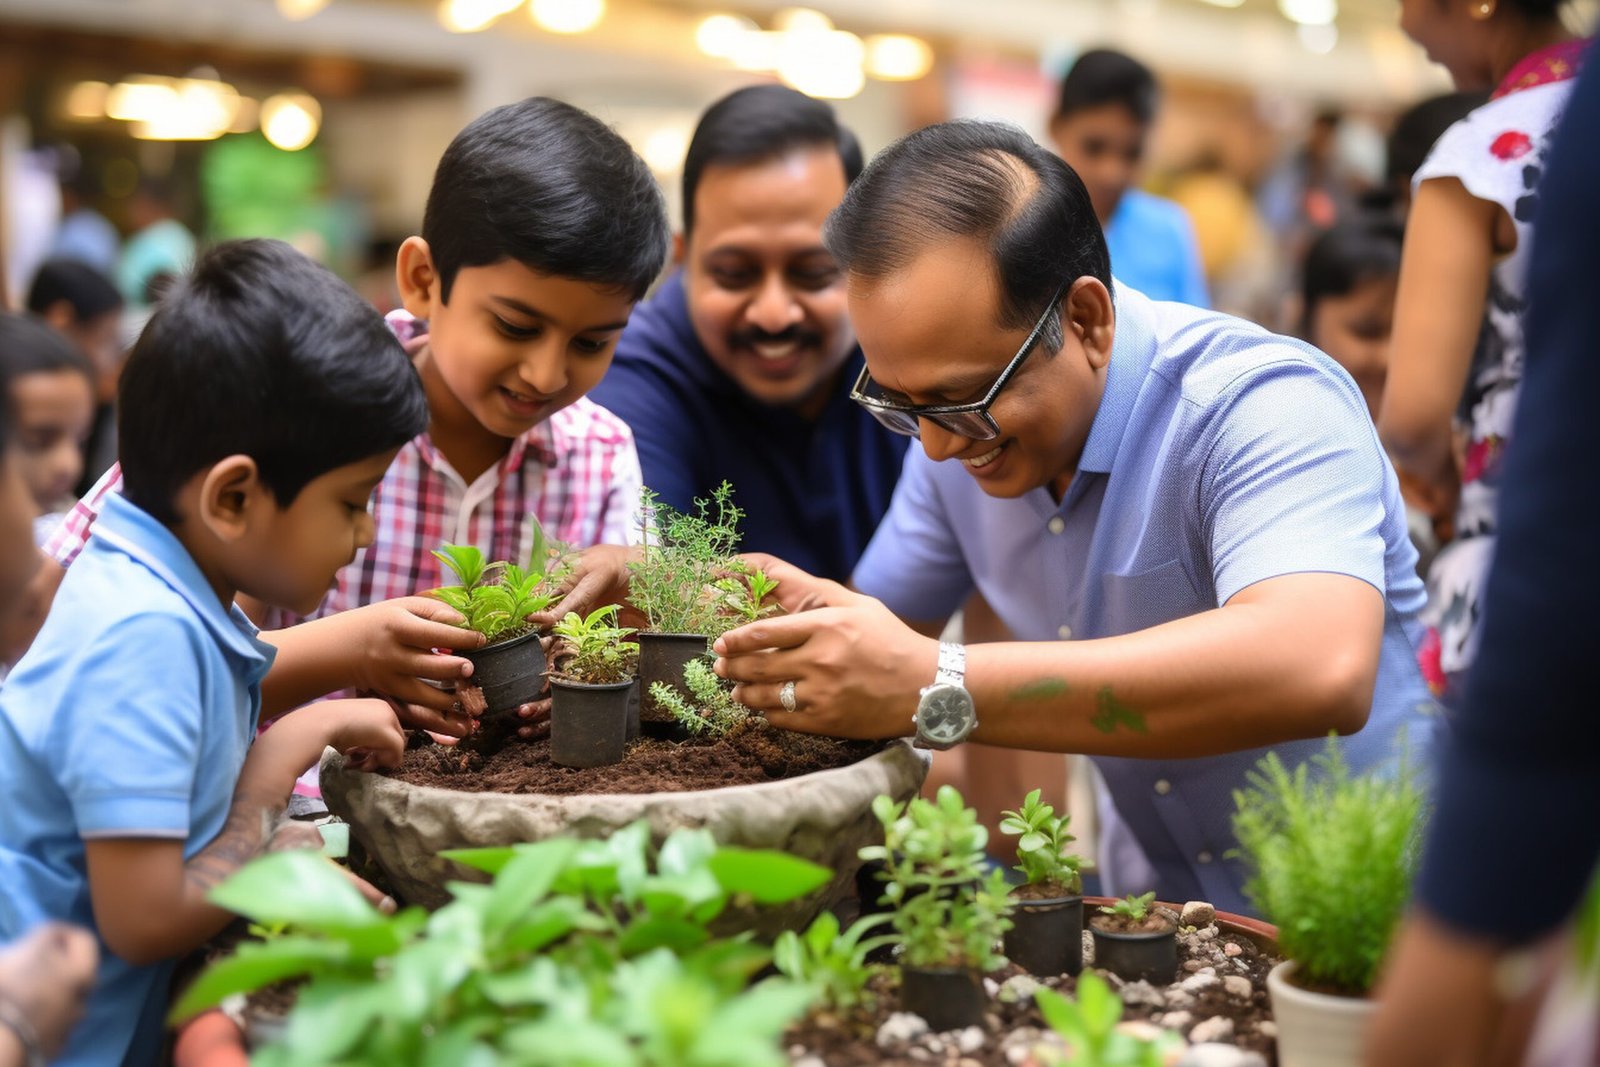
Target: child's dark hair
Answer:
pixel 89 293
pixel 1341 258
pixel 758 123
pixel 260 352
pixel 29 346
pixel 1103 76
pixel 553 188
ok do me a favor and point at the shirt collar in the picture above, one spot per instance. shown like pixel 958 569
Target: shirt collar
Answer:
pixel 1132 350
pixel 129 529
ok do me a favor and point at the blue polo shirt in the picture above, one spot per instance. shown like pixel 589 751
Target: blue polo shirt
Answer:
pixel 129 717
pixel 1153 249
pixel 1221 455
pixel 812 491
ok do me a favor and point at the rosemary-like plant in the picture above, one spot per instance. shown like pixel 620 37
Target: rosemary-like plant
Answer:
pixel 685 557
pixel 713 712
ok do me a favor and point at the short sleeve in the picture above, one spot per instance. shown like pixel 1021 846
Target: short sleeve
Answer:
pixel 1294 481
pixel 1486 152
pixel 914 562
pixel 72 533
pixel 125 741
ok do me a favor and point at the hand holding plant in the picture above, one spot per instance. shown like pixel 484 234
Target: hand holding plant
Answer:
pixel 1042 846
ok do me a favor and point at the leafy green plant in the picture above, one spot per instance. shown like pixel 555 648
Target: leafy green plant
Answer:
pixel 1132 908
pixel 684 557
pixel 495 598
pixel 947 911
pixel 597 652
pixel 1089 1028
pixel 576 954
pixel 745 595
pixel 712 712
pixel 832 961
pixel 1332 856
pixel 1042 841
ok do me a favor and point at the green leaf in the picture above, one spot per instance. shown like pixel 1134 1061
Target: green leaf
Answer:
pixel 1060 1013
pixel 256 965
pixel 524 881
pixel 769 877
pixel 489 860
pixel 1030 842
pixel 1101 1008
pixel 570 1043
pixel 301 888
pixel 653 932
pixel 330 1018
pixel 789 956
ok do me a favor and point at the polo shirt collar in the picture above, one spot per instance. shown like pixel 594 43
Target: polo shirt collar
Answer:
pixel 1132 350
pixel 129 529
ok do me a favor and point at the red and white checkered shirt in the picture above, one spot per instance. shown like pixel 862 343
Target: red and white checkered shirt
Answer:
pixel 577 472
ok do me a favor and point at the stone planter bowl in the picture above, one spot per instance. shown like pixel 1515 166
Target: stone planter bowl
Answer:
pixel 823 817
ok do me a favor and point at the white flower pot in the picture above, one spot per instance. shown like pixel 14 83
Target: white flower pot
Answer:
pixel 1317 1029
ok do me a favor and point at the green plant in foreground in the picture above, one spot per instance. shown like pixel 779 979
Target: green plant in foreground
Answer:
pixel 577 954
pixel 1332 856
pixel 683 558
pixel 1042 841
pixel 1089 1028
pixel 495 599
pixel 947 911
pixel 597 651
pixel 1133 908
pixel 713 711
pixel 745 595
pixel 833 962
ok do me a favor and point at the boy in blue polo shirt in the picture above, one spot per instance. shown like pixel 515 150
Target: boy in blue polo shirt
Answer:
pixel 260 408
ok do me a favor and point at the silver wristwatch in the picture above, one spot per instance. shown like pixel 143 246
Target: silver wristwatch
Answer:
pixel 945 713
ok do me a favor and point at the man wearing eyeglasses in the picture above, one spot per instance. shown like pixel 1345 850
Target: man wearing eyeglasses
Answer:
pixel 1202 506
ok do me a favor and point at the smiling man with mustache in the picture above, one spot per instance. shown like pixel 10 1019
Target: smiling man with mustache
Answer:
pixel 740 366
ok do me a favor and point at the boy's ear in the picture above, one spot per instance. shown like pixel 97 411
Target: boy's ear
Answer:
pixel 1090 316
pixel 230 496
pixel 415 276
pixel 60 316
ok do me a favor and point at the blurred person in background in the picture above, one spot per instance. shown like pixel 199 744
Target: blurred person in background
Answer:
pixel 84 234
pixel 1458 334
pixel 82 304
pixel 159 249
pixel 1309 190
pixel 1101 127
pixel 1414 134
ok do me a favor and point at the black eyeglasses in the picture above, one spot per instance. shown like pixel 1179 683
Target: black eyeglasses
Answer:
pixel 971 421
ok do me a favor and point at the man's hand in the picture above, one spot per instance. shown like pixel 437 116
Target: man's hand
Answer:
pixel 797 590
pixel 858 670
pixel 599 577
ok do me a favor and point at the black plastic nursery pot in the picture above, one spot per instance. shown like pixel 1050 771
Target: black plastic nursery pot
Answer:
pixel 662 658
pixel 1131 956
pixel 510 673
pixel 588 723
pixel 947 998
pixel 1046 935
pixel 634 699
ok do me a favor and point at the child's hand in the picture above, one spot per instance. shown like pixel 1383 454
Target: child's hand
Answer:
pixel 599 576
pixel 46 977
pixel 392 647
pixel 366 732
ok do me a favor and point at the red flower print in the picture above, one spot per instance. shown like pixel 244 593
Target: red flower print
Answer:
pixel 1513 144
pixel 1428 658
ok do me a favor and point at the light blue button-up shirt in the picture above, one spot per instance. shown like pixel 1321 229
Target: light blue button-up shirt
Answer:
pixel 129 717
pixel 1222 455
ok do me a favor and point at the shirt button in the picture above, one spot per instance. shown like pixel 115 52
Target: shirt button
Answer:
pixel 1163 787
pixel 1204 857
pixel 1056 524
pixel 1064 632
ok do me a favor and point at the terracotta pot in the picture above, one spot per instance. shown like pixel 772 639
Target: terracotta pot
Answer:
pixel 1046 935
pixel 510 673
pixel 1132 955
pixel 210 1039
pixel 947 998
pixel 662 658
pixel 1317 1029
pixel 588 723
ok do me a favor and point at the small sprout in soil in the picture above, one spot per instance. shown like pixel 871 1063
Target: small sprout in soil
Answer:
pixel 495 599
pixel 1132 908
pixel 1089 1029
pixel 678 580
pixel 714 712
pixel 1042 845
pixel 594 649
pixel 832 962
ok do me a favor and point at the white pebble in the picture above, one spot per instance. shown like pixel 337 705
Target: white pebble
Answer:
pixel 1199 983
pixel 1216 1028
pixel 1215 1055
pixel 1017 988
pixel 1230 949
pixel 1192 965
pixel 810 1061
pixel 1198 913
pixel 1267 1028
pixel 901 1028
pixel 1206 933
pixel 1177 998
pixel 1176 1020
pixel 1141 992
pixel 971 1039
pixel 1238 987
pixel 1139 1030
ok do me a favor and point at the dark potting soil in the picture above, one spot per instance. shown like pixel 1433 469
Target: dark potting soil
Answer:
pixel 1121 924
pixel 1015 1023
pixel 749 755
pixel 1042 891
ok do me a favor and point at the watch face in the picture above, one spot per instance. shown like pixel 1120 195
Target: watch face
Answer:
pixel 945 714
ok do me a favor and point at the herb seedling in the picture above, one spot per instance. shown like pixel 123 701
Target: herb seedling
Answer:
pixel 1042 845
pixel 713 711
pixel 1089 1029
pixel 1132 908
pixel 833 962
pixel 598 653
pixel 495 599
pixel 746 598
pixel 685 556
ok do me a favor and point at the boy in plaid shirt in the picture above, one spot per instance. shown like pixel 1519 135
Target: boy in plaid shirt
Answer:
pixel 542 230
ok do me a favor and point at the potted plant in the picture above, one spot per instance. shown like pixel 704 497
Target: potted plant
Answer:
pixel 495 599
pixel 1089 1027
pixel 1046 936
pixel 834 962
pixel 691 587
pixel 1332 856
pixel 703 704
pixel 1133 942
pixel 948 914
pixel 590 691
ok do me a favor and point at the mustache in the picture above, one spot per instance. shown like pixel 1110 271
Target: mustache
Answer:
pixel 754 335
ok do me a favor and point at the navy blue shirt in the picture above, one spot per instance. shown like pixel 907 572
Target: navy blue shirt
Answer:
pixel 812 491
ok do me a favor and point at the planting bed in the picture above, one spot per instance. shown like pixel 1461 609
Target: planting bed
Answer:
pixel 752 754
pixel 1220 997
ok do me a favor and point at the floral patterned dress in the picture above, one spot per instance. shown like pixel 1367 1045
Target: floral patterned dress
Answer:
pixel 1497 152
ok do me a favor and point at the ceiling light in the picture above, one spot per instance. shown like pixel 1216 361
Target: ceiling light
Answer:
pixel 822 63
pixel 1225 3
pixel 290 120
pixel 898 57
pixel 801 20
pixel 568 16
pixel 470 16
pixel 719 36
pixel 87 100
pixel 140 99
pixel 1310 12
pixel 1318 39
pixel 299 10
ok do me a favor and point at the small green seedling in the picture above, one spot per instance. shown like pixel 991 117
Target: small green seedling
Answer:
pixel 598 653
pixel 832 962
pixel 746 598
pixel 1089 1028
pixel 684 558
pixel 1132 908
pixel 713 712
pixel 1042 845
pixel 495 598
